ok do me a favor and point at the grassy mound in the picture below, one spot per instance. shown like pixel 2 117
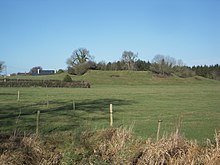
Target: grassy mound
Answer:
pixel 97 77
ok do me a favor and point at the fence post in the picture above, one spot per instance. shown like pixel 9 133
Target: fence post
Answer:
pixel 18 97
pixel 158 129
pixel 111 116
pixel 47 102
pixel 37 123
pixel 74 105
pixel 217 135
pixel 17 122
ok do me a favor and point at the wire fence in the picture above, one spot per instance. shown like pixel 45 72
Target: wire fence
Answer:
pixel 18 111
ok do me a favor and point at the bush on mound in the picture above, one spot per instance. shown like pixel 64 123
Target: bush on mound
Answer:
pixel 67 78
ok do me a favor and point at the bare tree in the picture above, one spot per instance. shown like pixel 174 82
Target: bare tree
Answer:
pixel 2 66
pixel 79 56
pixel 129 58
pixel 180 63
pixel 164 60
pixel 163 64
pixel 78 63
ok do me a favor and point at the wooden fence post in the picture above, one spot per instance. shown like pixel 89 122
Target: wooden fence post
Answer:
pixel 15 131
pixel 217 135
pixel 37 123
pixel 47 102
pixel 18 97
pixel 111 116
pixel 74 105
pixel 158 129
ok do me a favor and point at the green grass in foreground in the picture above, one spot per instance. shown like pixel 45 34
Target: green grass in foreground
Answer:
pixel 139 99
pixel 197 105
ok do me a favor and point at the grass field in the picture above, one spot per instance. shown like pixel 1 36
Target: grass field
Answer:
pixel 139 99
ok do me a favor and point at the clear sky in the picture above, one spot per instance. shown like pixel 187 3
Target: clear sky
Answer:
pixel 45 32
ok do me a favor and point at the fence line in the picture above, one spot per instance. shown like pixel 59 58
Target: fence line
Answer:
pixel 71 104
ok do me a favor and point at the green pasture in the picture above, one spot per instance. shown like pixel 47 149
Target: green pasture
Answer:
pixel 138 102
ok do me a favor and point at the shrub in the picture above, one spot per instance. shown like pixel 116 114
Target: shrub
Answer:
pixel 67 78
pixel 60 71
pixel 82 68
pixel 184 71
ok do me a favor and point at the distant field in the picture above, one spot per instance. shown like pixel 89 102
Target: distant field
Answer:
pixel 139 99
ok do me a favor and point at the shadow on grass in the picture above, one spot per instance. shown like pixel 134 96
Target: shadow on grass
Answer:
pixel 8 94
pixel 59 115
pixel 98 105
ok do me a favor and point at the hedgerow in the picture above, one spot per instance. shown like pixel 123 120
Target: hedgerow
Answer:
pixel 43 83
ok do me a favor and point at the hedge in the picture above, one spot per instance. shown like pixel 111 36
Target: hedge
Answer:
pixel 43 83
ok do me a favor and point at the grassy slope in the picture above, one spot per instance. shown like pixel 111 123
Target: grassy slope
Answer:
pixel 96 77
pixel 137 97
pixel 136 78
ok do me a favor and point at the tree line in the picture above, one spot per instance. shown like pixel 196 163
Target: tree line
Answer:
pixel 212 71
pixel 81 61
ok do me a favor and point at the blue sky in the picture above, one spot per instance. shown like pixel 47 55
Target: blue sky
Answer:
pixel 45 32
